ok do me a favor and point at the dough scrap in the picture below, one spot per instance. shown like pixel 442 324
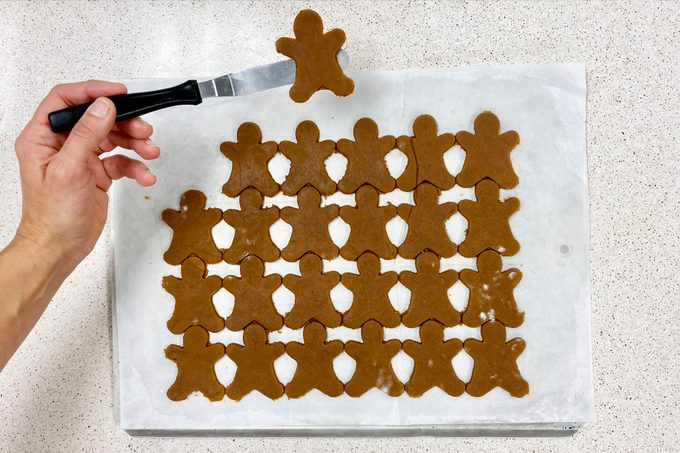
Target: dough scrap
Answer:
pixel 193 297
pixel 488 222
pixel 195 366
pixel 192 226
pixel 249 158
pixel 315 55
pixel 495 362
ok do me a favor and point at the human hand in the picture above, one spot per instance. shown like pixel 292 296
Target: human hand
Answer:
pixel 64 182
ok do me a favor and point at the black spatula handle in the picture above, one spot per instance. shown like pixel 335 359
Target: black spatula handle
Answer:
pixel 131 105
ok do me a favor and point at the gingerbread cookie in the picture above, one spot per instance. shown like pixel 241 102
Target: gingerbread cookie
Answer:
pixel 495 362
pixel 193 297
pixel 373 362
pixel 367 222
pixel 491 292
pixel 366 158
pixel 487 153
pixel 251 225
pixel 426 224
pixel 429 298
pixel 307 158
pixel 195 366
pixel 314 363
pixel 488 224
pixel 310 227
pixel 253 297
pixel 425 153
pixel 192 226
pixel 312 294
pixel 249 158
pixel 255 365
pixel 370 291
pixel 315 55
pixel 432 362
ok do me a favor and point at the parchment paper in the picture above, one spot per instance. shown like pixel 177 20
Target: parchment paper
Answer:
pixel 545 104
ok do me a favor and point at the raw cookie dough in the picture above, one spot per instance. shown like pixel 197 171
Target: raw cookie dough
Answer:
pixel 253 297
pixel 370 291
pixel 426 224
pixel 373 362
pixel 193 297
pixel 251 225
pixel 366 158
pixel 425 153
pixel 307 158
pixel 255 365
pixel 310 227
pixel 195 366
pixel 429 298
pixel 315 55
pixel 249 158
pixel 495 362
pixel 487 153
pixel 488 222
pixel 367 222
pixel 192 226
pixel 314 363
pixel 312 294
pixel 491 292
pixel 432 362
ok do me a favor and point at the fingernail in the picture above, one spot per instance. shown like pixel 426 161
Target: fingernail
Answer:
pixel 99 108
pixel 146 124
pixel 151 142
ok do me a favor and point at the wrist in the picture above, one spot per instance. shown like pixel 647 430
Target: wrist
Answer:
pixel 48 251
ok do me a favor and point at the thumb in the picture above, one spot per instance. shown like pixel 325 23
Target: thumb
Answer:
pixel 92 128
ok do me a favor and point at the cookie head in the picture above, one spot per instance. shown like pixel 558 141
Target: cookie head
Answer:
pixel 368 263
pixel 308 25
pixel 365 129
pixel 195 337
pixel 431 331
pixel 249 133
pixel 371 332
pixel 310 264
pixel 425 193
pixel 424 126
pixel 309 196
pixel 493 332
pixel 251 198
pixel 251 265
pixel 427 263
pixel 487 191
pixel 254 335
pixel 489 261
pixel 366 196
pixel 307 131
pixel 314 333
pixel 193 268
pixel 487 125
pixel 193 200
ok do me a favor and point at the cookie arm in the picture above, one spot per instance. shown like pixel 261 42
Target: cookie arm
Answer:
pixel 335 39
pixel 270 148
pixel 516 346
pixel 170 216
pixel 466 140
pixel 509 139
pixel 173 352
pixel 511 205
pixel 287 47
pixel 228 149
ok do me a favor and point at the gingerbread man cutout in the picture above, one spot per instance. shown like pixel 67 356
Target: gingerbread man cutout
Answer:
pixel 427 224
pixel 249 158
pixel 367 222
pixel 307 158
pixel 192 230
pixel 251 225
pixel 315 55
pixel 314 363
pixel 487 153
pixel 495 362
pixel 432 362
pixel 366 158
pixel 429 297
pixel 195 366
pixel 488 222
pixel 425 153
pixel 491 292
pixel 310 227
pixel 193 297
pixel 373 362
pixel 255 365
pixel 312 294
pixel 253 297
pixel 370 291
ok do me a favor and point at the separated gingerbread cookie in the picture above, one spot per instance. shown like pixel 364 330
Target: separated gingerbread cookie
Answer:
pixel 251 229
pixel 425 154
pixel 192 230
pixel 314 363
pixel 195 366
pixel 488 222
pixel 491 292
pixel 193 297
pixel 249 158
pixel 315 55
pixel 487 153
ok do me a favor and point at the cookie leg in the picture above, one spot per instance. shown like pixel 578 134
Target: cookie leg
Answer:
pixel 213 390
pixel 479 387
pixel 453 386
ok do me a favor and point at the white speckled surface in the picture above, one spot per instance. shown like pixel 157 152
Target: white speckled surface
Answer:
pixel 56 393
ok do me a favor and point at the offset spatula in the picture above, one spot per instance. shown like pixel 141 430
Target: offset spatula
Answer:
pixel 191 92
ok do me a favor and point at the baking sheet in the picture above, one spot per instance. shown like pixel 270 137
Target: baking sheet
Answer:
pixel 545 104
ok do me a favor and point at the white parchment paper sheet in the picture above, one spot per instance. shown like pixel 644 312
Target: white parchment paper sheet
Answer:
pixel 545 104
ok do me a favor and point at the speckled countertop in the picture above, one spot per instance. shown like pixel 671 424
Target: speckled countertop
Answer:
pixel 56 393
